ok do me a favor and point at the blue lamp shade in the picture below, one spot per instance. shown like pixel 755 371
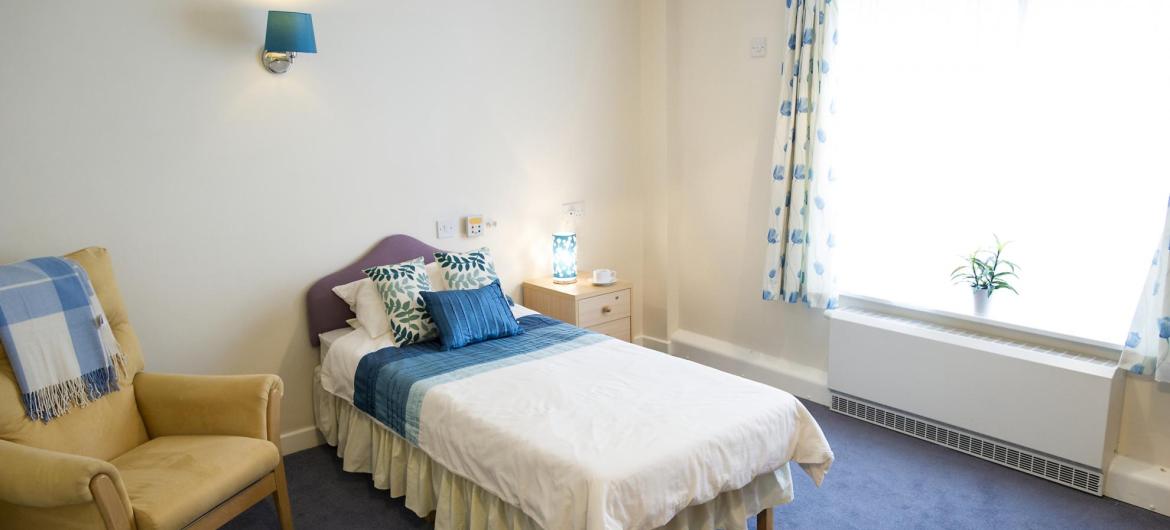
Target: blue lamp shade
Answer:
pixel 290 32
pixel 564 257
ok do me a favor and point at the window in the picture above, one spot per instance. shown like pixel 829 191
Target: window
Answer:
pixel 1041 121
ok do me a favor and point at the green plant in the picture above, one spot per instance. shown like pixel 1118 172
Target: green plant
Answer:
pixel 986 269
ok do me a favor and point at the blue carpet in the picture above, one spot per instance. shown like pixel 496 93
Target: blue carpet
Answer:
pixel 881 479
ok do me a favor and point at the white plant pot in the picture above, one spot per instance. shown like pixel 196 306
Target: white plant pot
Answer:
pixel 982 299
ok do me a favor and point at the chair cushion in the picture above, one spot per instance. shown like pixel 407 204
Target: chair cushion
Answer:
pixel 172 480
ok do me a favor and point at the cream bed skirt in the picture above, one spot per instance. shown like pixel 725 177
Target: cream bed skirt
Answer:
pixel 366 446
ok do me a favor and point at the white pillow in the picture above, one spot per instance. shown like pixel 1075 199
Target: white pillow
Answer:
pixel 365 301
pixel 435 273
pixel 348 292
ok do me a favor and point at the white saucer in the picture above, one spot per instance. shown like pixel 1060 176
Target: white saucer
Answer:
pixel 604 284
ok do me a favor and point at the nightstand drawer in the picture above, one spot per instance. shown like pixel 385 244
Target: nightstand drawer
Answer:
pixel 603 308
pixel 618 329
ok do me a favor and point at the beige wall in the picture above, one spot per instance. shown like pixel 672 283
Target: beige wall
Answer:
pixel 1145 421
pixel 656 101
pixel 719 125
pixel 223 191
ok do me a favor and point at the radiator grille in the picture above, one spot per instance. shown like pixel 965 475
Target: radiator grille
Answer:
pixel 1014 457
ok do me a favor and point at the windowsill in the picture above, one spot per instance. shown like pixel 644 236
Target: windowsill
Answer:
pixel 988 326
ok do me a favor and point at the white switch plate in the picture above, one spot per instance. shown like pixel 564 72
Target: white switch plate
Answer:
pixel 575 209
pixel 759 46
pixel 446 228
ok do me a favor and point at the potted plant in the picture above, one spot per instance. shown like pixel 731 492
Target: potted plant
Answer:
pixel 986 271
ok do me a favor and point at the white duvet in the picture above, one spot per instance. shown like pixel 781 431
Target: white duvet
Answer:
pixel 606 436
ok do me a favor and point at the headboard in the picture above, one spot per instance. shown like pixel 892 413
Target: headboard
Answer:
pixel 327 312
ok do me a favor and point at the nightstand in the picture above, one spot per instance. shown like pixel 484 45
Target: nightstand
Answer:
pixel 602 309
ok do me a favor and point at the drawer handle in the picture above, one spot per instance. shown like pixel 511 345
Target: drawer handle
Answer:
pixel 605 310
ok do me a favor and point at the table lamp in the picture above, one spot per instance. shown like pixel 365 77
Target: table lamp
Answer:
pixel 565 257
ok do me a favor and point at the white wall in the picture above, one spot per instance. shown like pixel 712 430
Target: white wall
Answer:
pixel 224 191
pixel 720 120
pixel 656 110
pixel 1145 421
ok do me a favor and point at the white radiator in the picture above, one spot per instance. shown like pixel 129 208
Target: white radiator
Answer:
pixel 1034 409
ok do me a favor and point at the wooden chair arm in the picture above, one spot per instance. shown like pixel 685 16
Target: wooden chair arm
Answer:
pixel 109 503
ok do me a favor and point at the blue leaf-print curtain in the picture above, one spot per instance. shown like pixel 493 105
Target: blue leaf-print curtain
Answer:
pixel 1148 344
pixel 798 266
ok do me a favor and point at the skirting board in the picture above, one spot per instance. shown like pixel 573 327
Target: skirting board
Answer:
pixel 1138 483
pixel 300 439
pixel 797 379
pixel 653 343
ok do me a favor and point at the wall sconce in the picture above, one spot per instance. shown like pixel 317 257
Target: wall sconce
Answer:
pixel 564 257
pixel 288 33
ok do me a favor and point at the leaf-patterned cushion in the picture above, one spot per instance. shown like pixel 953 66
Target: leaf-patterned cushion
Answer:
pixel 400 286
pixel 467 270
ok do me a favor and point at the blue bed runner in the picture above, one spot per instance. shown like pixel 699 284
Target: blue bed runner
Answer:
pixel 390 384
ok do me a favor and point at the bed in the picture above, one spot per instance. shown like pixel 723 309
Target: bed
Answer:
pixel 563 428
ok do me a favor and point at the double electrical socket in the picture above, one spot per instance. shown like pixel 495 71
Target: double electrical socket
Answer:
pixel 575 209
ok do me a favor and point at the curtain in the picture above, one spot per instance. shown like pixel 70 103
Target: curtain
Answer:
pixel 1148 344
pixel 798 265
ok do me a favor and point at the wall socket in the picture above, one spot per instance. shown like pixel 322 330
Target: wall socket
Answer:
pixel 575 209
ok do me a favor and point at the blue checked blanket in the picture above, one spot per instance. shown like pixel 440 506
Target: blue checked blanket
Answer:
pixel 390 384
pixel 61 348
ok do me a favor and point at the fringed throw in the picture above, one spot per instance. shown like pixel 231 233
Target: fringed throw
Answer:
pixel 61 347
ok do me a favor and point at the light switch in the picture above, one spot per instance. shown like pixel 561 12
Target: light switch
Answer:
pixel 446 228
pixel 759 46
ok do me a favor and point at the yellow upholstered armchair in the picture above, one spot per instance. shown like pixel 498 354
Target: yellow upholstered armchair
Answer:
pixel 165 451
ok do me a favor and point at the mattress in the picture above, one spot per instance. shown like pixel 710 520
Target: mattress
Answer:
pixel 592 433
pixel 329 337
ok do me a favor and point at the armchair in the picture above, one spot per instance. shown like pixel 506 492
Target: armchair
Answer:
pixel 164 452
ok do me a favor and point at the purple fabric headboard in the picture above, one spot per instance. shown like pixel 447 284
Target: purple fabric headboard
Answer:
pixel 327 312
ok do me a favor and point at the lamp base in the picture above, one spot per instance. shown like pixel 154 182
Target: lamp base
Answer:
pixel 277 62
pixel 564 281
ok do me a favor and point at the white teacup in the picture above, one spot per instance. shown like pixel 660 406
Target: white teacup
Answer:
pixel 603 276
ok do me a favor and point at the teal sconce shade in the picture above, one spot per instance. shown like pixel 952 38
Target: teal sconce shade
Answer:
pixel 564 257
pixel 288 34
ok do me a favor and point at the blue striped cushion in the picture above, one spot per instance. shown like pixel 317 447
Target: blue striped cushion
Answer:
pixel 468 316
